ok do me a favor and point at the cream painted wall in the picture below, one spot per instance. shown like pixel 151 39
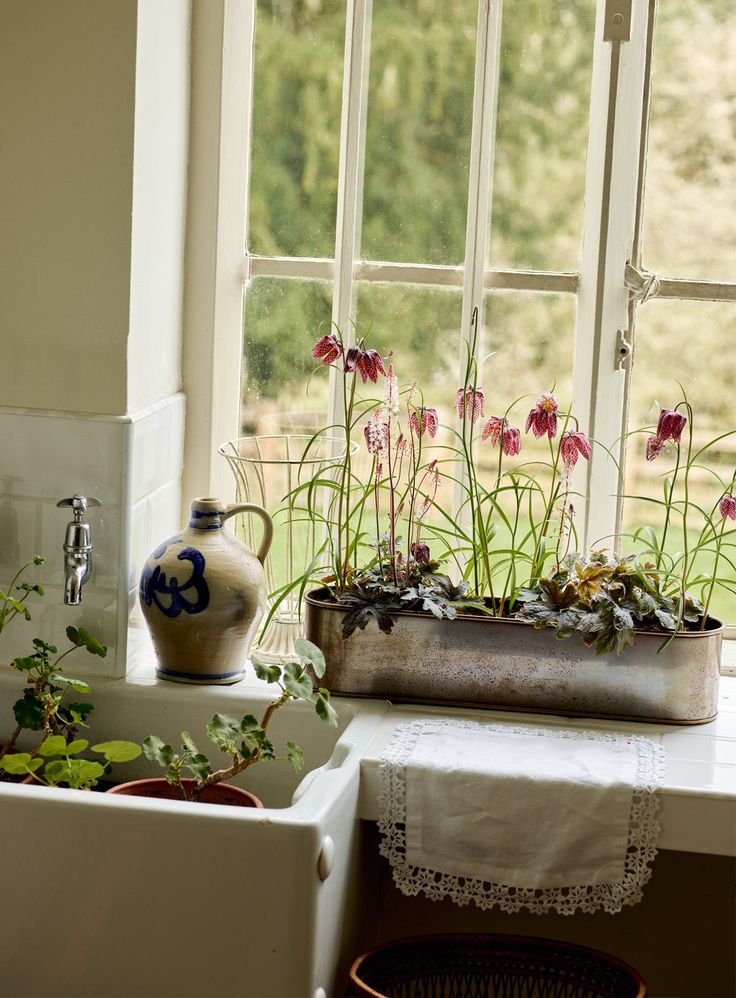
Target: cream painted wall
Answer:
pixel 159 201
pixel 67 89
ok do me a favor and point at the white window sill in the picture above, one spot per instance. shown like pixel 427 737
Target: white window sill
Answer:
pixel 698 800
pixel 698 812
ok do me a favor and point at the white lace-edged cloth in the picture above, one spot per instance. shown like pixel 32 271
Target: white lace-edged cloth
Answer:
pixel 520 817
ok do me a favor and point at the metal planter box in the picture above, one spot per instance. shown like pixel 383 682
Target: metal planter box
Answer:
pixel 508 664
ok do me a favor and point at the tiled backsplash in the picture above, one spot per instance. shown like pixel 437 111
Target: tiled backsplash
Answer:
pixel 133 465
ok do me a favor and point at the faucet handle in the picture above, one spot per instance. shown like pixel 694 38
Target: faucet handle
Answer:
pixel 79 504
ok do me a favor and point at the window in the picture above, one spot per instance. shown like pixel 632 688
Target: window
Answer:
pixel 563 166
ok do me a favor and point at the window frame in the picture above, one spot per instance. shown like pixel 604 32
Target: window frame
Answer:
pixel 223 35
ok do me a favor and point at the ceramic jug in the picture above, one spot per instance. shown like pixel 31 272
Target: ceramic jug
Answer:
pixel 203 595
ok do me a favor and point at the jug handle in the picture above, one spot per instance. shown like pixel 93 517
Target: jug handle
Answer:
pixel 248 507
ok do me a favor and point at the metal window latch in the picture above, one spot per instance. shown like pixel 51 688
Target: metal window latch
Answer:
pixel 617 23
pixel 623 349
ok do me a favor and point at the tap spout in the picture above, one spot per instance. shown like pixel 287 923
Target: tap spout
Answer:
pixel 77 567
pixel 77 549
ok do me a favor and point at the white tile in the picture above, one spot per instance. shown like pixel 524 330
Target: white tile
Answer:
pixel 164 515
pixel 138 541
pixel 697 777
pixel 52 456
pixel 20 538
pixel 686 747
pixel 157 447
pixel 105 528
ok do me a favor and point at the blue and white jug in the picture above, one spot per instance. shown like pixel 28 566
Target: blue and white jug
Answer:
pixel 203 595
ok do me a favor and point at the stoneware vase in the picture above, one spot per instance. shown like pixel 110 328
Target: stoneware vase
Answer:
pixel 203 595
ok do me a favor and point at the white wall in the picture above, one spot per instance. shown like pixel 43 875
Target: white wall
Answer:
pixel 93 118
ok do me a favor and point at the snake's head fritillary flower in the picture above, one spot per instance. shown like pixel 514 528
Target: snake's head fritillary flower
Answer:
pixel 420 553
pixel 670 425
pixel 376 432
pixel 391 391
pixel 498 429
pixel 655 446
pixel 511 441
pixel 727 506
pixel 543 417
pixel 328 349
pixel 368 363
pixel 470 402
pixel 424 421
pixel 572 446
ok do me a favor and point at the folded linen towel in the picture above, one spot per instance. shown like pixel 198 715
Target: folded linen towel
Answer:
pixel 522 817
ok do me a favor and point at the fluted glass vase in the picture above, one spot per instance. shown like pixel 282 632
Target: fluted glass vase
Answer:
pixel 268 470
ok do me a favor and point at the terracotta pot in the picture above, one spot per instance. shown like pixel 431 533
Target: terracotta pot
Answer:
pixel 507 663
pixel 218 793
pixel 203 594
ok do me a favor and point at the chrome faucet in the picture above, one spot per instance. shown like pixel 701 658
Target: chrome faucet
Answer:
pixel 77 548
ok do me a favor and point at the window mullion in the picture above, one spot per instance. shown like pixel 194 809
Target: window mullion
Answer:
pixel 480 189
pixel 611 196
pixel 357 36
pixel 482 148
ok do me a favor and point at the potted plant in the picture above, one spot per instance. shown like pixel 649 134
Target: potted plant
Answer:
pixel 391 622
pixel 47 709
pixel 245 742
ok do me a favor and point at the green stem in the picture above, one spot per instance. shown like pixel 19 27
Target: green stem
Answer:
pixel 719 541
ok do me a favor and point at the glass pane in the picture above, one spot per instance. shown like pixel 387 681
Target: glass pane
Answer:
pixel 665 355
pixel 297 98
pixel 690 201
pixel 420 111
pixel 282 321
pixel 542 133
pixel 528 339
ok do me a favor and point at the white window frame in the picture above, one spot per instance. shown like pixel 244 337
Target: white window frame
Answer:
pixel 219 266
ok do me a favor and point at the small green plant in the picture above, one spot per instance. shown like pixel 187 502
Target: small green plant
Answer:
pixel 70 770
pixel 12 606
pixel 246 741
pixel 45 705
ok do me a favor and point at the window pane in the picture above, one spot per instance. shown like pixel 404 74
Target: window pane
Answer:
pixel 418 130
pixel 542 133
pixel 422 328
pixel 691 186
pixel 282 321
pixel 296 127
pixel 665 354
pixel 529 337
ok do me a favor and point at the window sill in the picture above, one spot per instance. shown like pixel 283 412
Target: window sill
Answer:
pixel 698 800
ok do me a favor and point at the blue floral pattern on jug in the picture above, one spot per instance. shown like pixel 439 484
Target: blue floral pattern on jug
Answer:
pixel 154 583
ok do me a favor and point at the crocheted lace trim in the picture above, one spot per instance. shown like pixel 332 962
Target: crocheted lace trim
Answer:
pixel 643 831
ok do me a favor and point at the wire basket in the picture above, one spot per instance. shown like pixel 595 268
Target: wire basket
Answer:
pixel 268 469
pixel 491 966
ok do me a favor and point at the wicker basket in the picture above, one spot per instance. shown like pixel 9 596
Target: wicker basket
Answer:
pixel 491 966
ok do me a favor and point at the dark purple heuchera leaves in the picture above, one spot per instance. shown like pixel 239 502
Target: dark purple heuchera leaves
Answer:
pixel 368 363
pixel 470 402
pixel 573 445
pixel 498 429
pixel 543 417
pixel 424 421
pixel 727 506
pixel 328 348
